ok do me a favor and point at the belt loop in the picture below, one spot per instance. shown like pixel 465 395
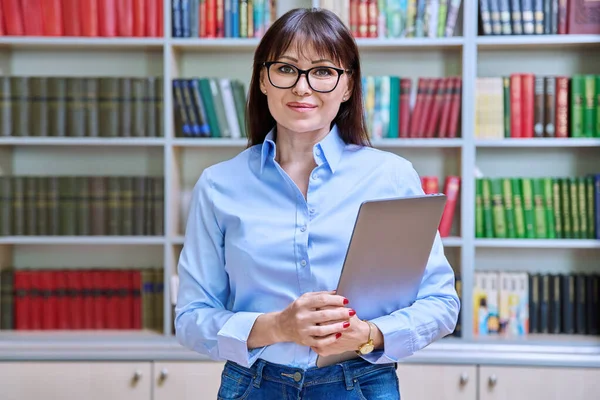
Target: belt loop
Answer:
pixel 260 364
pixel 348 376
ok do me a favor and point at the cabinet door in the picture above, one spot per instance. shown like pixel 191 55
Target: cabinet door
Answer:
pixel 437 382
pixel 75 380
pixel 188 380
pixel 531 383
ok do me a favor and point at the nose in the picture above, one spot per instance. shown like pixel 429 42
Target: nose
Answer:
pixel 302 88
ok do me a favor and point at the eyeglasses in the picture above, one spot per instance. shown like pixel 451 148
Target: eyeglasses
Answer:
pixel 320 79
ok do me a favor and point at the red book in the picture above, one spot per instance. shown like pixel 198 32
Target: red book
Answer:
pixel 112 310
pixel 562 17
pixel 33 24
pixel 99 296
pixel 62 300
pixel 419 101
pixel 363 18
pixel 139 18
pixel 404 107
pixel 125 301
pixel 372 18
pixel 211 19
pixel 220 21
pixel 455 107
pixel 425 114
pixel 72 17
pixel 151 10
pixel 562 107
pixel 22 299
pixel 583 17
pixel 432 122
pixel 74 293
pixel 528 105
pixel 52 15
pixel 354 17
pixel 107 18
pixel 446 105
pixel 125 18
pixel 160 16
pixel 430 184
pixel 202 20
pixel 515 106
pixel 2 29
pixel 88 10
pixel 47 289
pixel 87 283
pixel 13 17
pixel 451 189
pixel 135 289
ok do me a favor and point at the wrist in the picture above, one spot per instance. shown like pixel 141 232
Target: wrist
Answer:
pixel 278 334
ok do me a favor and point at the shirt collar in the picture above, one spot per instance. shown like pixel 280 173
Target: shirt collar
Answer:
pixel 328 150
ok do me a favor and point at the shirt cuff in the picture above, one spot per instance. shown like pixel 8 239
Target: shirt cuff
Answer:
pixel 397 343
pixel 232 339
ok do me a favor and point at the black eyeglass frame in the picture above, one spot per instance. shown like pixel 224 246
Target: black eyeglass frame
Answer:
pixel 267 65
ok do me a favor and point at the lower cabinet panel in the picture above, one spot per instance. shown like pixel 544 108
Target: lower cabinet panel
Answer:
pixel 437 382
pixel 187 380
pixel 75 380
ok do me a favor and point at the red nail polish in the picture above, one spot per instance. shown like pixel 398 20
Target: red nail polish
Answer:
pixel 346 324
pixel 352 313
pixel 338 335
pixel 346 301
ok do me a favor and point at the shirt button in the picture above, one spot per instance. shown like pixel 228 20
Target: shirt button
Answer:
pixel 312 210
pixel 303 263
pixel 303 228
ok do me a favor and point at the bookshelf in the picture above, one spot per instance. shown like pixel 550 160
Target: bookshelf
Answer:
pixel 181 160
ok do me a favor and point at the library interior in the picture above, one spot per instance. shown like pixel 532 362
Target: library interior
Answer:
pixel 112 109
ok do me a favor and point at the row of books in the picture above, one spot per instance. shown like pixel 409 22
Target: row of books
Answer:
pixel 81 107
pixel 89 18
pixel 527 105
pixel 430 185
pixel 81 205
pixel 397 19
pixel 514 304
pixel 81 299
pixel 222 19
pixel 538 17
pixel 538 208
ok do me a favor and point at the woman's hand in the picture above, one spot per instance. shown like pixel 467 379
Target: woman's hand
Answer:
pixel 315 319
pixel 353 337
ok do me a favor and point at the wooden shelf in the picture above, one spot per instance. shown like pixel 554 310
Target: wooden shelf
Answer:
pixel 539 142
pixel 88 43
pixel 535 41
pixel 433 142
pixel 85 141
pixel 539 243
pixel 82 240
pixel 210 142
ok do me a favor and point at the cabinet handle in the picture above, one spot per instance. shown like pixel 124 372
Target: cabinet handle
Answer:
pixel 492 380
pixel 164 373
pixel 464 378
pixel 137 375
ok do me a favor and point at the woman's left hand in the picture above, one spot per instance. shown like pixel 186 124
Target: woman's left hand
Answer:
pixel 350 340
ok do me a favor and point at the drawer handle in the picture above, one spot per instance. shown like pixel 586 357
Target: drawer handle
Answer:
pixel 464 378
pixel 493 380
pixel 164 374
pixel 137 375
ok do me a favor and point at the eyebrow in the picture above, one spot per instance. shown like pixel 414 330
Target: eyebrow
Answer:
pixel 313 62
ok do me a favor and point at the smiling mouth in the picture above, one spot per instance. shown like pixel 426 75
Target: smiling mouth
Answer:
pixel 301 107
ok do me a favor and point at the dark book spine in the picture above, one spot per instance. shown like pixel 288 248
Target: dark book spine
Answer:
pixel 150 108
pixel 139 194
pixel 30 205
pixel 158 207
pixel 580 300
pixel 82 204
pixel 6 106
pixel 75 107
pixel 98 191
pixel 114 206
pixel 18 205
pixel 42 206
pixel 159 88
pixel 68 203
pixel 148 206
pixel 534 303
pixel 39 106
pixel 53 206
pixel 57 106
pixel 544 322
pixel 6 300
pixel 592 305
pixel 568 304
pixel 126 205
pixel 91 107
pixel 125 106
pixel 555 298
pixel 22 111
pixel 109 107
pixel 5 206
pixel 139 119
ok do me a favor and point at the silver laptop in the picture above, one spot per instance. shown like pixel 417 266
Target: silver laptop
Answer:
pixel 387 256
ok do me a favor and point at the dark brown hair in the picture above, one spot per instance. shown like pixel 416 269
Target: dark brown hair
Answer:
pixel 330 38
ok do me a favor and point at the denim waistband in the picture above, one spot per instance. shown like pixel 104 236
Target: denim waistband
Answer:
pixel 345 371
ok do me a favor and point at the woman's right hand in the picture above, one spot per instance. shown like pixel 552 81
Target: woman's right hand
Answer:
pixel 315 319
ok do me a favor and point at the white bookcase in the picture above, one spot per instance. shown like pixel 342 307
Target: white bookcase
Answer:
pixel 182 160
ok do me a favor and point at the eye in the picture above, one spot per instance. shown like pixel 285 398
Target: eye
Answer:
pixel 286 69
pixel 324 72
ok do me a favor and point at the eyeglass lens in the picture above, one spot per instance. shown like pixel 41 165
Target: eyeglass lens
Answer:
pixel 322 79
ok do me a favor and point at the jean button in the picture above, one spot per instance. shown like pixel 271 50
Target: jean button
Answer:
pixel 297 376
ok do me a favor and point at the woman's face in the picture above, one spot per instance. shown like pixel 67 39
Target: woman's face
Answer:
pixel 300 108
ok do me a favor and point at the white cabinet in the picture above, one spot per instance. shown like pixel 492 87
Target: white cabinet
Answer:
pixel 535 383
pixel 75 380
pixel 186 380
pixel 437 382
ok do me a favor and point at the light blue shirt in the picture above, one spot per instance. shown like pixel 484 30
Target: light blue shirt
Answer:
pixel 253 245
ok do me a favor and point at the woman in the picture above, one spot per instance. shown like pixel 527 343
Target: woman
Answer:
pixel 268 231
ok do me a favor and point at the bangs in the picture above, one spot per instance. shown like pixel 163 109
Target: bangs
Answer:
pixel 311 32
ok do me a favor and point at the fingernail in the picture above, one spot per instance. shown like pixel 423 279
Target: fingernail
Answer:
pixel 346 301
pixel 346 324
pixel 352 313
pixel 338 335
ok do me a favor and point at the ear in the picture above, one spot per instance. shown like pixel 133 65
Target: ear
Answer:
pixel 348 90
pixel 262 85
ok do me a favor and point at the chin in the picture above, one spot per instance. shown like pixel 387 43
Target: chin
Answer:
pixel 304 125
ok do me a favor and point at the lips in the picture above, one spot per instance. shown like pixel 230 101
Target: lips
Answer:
pixel 303 106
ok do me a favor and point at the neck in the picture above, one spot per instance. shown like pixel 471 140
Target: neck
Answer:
pixel 297 148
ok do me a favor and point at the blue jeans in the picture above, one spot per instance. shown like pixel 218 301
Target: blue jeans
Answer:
pixel 356 379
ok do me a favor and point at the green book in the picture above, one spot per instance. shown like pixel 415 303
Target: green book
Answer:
pixel 518 207
pixel 589 108
pixel 539 208
pixel 556 208
pixel 549 208
pixel 598 106
pixel 498 208
pixel 506 98
pixel 577 93
pixel 574 214
pixel 528 207
pixel 589 184
pixel 583 213
pixel 479 223
pixel 565 208
pixel 488 219
pixel 511 231
pixel 394 106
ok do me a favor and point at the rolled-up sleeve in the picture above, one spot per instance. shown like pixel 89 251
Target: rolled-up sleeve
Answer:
pixel 202 321
pixel 433 314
